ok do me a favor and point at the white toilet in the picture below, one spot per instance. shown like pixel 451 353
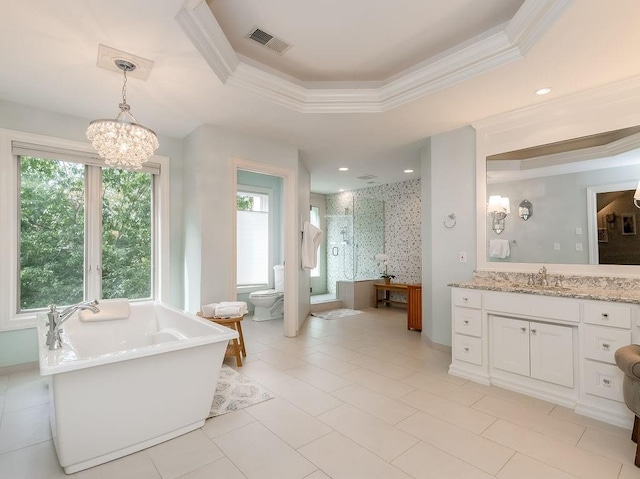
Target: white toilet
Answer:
pixel 269 303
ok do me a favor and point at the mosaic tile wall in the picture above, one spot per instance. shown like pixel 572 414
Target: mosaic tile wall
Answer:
pixel 363 223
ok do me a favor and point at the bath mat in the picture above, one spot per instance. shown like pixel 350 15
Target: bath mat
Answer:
pixel 336 313
pixel 236 391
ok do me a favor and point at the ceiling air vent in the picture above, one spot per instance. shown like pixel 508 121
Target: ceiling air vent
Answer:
pixel 367 177
pixel 267 40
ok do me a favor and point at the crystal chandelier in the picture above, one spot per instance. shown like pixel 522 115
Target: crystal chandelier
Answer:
pixel 122 142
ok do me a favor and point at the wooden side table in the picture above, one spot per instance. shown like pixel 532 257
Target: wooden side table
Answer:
pixel 235 347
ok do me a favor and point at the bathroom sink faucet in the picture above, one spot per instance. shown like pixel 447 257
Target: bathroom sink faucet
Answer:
pixel 57 318
pixel 543 276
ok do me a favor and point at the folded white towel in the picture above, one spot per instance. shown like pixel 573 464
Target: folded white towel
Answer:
pixel 209 310
pixel 499 248
pixel 231 309
pixel 109 309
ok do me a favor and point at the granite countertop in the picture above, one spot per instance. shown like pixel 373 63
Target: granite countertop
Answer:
pixel 621 290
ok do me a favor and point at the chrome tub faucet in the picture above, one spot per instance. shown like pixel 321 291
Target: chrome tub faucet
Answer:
pixel 57 318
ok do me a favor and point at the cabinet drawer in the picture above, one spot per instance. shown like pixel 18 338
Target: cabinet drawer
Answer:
pixel 601 343
pixel 467 349
pixel 467 298
pixel 603 380
pixel 607 314
pixel 467 321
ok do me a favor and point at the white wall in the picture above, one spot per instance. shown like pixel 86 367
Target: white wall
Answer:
pixel 448 186
pixel 304 276
pixel 210 206
pixel 20 346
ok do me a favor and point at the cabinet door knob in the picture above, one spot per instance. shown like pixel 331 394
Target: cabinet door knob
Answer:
pixel 606 346
pixel 534 331
pixel 465 299
pixel 605 315
pixel 466 321
pixel 524 330
pixel 606 382
pixel 466 350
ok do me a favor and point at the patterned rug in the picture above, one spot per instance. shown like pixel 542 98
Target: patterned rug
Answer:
pixel 336 313
pixel 235 391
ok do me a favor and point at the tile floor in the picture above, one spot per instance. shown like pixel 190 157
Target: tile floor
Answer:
pixel 358 397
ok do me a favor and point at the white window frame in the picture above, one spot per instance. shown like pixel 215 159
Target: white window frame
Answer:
pixel 10 318
pixel 268 192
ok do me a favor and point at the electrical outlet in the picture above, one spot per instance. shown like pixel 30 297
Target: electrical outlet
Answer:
pixel 578 230
pixel 578 246
pixel 462 256
pixel 556 246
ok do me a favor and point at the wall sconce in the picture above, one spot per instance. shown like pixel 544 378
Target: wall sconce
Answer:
pixel 499 209
pixel 525 210
pixel 636 196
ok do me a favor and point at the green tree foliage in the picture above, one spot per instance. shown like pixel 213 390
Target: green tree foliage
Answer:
pixel 52 225
pixel 245 203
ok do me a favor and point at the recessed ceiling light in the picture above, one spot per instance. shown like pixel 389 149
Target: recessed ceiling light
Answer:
pixel 408 171
pixel 341 190
pixel 543 91
pixel 344 168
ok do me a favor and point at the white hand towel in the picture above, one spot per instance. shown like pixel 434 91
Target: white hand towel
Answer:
pixel 209 310
pixel 109 309
pixel 241 305
pixel 499 248
pixel 311 238
pixel 228 312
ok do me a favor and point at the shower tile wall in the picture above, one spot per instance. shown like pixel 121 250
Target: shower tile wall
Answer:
pixel 401 224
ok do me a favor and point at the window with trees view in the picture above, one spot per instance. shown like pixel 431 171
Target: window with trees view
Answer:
pixel 85 232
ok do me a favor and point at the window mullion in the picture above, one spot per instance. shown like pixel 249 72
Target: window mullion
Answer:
pixel 93 233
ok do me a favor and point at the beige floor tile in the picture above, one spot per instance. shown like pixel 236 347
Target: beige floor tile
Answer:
pixel 450 411
pixel 135 466
pixel 436 371
pixel 265 374
pixel 382 367
pixel 259 453
pixel 444 389
pixel 317 475
pixel 383 354
pixel 318 377
pixel 368 431
pixel 471 448
pixel 424 461
pixel 308 398
pixel 382 407
pixel 342 458
pixel 531 418
pixel 222 468
pixel 629 472
pixel 338 352
pixel 614 447
pixel 24 427
pixel 4 382
pixel 378 383
pixel 523 467
pixel 34 462
pixel 569 415
pixel 278 359
pixel 25 394
pixel 27 375
pixel 329 363
pixel 512 396
pixel 219 425
pixel 184 454
pixel 553 452
pixel 289 423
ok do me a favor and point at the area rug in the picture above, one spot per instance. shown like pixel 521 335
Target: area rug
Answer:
pixel 236 391
pixel 336 313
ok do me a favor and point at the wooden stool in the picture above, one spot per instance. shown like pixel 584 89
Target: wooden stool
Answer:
pixel 236 347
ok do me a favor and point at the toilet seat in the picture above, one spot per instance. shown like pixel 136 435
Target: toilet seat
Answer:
pixel 267 293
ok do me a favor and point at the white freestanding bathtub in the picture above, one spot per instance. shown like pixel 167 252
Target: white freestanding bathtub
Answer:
pixel 124 385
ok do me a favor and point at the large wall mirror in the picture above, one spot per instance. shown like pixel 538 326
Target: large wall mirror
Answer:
pixel 569 202
pixel 555 185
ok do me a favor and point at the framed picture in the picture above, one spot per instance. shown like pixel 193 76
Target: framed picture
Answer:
pixel 603 235
pixel 628 224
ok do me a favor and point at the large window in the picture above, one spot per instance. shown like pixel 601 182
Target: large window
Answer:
pixel 253 238
pixel 85 232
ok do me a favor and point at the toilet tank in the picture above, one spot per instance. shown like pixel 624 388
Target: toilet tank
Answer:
pixel 278 274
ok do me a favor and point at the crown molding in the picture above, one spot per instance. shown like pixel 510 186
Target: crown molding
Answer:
pixel 499 46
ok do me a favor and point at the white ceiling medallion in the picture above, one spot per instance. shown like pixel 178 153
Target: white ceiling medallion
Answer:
pixel 506 43
pixel 107 58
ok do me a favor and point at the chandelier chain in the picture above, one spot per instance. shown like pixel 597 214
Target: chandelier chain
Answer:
pixel 124 87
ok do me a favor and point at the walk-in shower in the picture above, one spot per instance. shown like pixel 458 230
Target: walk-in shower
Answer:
pixel 355 234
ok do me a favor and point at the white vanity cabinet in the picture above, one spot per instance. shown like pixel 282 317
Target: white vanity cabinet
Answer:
pixel 557 349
